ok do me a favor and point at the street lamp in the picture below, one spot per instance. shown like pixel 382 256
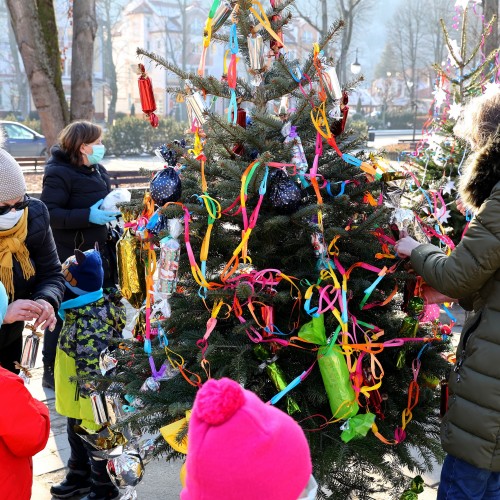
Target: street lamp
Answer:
pixel 355 66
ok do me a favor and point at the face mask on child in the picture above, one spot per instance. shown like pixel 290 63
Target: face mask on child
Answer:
pixel 97 154
pixel 10 219
pixel 310 490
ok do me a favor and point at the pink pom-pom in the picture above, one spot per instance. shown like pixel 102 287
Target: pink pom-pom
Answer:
pixel 218 400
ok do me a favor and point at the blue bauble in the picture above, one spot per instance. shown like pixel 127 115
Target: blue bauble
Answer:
pixel 165 186
pixel 285 195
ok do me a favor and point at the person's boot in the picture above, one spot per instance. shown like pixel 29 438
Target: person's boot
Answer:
pixel 76 482
pixel 101 489
pixel 48 376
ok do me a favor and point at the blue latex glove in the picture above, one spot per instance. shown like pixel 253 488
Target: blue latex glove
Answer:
pixel 101 217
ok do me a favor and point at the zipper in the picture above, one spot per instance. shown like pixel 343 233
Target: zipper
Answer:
pixel 463 354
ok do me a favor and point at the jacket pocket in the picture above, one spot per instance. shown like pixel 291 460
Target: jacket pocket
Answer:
pixel 471 328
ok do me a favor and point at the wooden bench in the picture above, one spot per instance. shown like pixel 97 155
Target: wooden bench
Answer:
pixel 125 177
pixel 31 162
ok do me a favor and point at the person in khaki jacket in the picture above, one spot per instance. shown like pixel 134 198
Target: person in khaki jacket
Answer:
pixel 470 430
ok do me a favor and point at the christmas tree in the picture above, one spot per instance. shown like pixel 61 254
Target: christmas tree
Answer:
pixel 468 71
pixel 286 281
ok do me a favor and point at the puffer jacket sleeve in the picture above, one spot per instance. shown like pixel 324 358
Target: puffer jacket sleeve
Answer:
pixel 55 194
pixel 24 422
pixel 475 259
pixel 49 280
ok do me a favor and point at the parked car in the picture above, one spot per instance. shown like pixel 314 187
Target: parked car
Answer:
pixel 20 140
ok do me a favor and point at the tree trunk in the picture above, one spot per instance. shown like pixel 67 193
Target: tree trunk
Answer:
pixel 490 9
pixel 20 78
pixel 39 61
pixel 84 31
pixel 109 64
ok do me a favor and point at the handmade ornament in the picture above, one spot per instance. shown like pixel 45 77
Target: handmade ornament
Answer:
pixel 157 223
pixel 107 361
pixel 105 443
pixel 114 408
pixel 241 120
pixel 195 105
pixel 126 470
pixel 222 15
pixel 30 348
pixel 98 408
pixel 150 384
pixel 416 487
pixel 276 45
pixel 147 97
pixel 256 56
pixel 298 156
pixel 170 155
pixel 333 368
pixel 331 82
pixel 284 194
pixel 276 374
pixel 131 273
pixel 165 186
pixel 171 433
pixel 357 426
pixel 168 265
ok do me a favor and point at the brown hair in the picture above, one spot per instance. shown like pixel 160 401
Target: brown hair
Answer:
pixel 480 120
pixel 74 135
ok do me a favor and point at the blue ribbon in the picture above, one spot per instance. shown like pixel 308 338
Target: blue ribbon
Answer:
pixel 79 301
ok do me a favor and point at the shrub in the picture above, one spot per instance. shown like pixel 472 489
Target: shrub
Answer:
pixel 131 135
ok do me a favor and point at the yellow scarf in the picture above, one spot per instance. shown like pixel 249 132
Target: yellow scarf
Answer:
pixel 12 245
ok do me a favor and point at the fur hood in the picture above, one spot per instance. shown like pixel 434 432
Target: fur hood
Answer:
pixel 481 173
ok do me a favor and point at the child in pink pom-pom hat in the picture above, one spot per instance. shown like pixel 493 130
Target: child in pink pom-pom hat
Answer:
pixel 240 448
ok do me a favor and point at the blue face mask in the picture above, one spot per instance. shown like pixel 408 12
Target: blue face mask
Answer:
pixel 97 154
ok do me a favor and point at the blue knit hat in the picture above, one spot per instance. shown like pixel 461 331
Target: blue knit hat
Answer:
pixel 83 271
pixel 4 302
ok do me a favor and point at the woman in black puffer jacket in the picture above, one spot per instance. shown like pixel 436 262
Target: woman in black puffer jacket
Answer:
pixel 29 266
pixel 74 185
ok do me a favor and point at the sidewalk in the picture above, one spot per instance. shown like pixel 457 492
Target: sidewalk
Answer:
pixel 161 479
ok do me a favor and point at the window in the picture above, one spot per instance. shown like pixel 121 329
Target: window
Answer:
pixel 13 131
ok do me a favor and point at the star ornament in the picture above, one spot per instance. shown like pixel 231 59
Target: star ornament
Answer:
pixel 455 110
pixel 439 96
pixel 449 187
pixel 444 216
pixel 491 88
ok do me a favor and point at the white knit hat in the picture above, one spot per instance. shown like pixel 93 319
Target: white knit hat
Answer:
pixel 12 183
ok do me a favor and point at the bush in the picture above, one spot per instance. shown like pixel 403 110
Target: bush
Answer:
pixel 132 135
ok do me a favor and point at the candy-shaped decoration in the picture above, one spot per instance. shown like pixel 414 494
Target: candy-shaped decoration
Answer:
pixel 284 194
pixel 168 266
pixel 298 156
pixel 416 487
pixel 30 348
pixel 256 56
pixel 357 426
pixel 131 273
pixel 276 374
pixel 98 408
pixel 276 45
pixel 107 361
pixel 105 443
pixel 241 120
pixel 333 368
pixel 170 155
pixel 126 470
pixel 165 186
pixel 150 384
pixel 195 105
pixel 331 82
pixel 147 97
pixel 222 15
pixel 157 223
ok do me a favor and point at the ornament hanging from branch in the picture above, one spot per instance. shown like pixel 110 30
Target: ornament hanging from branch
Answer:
pixel 147 97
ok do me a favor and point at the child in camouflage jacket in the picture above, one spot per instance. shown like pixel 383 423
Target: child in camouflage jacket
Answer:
pixel 91 319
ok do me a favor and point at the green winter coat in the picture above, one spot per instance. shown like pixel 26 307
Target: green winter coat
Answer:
pixel 86 331
pixel 470 430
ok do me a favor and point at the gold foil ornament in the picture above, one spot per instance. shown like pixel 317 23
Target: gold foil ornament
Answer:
pixel 131 271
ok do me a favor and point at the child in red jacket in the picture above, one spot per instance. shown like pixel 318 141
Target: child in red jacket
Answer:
pixel 24 430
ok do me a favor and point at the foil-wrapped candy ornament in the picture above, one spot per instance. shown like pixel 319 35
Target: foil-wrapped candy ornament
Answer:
pixel 107 361
pixel 157 223
pixel 126 470
pixel 222 14
pixel 150 384
pixel 400 220
pixel 331 82
pixel 105 443
pixel 196 107
pixel 284 194
pixel 165 186
pixel 131 271
pixel 30 348
pixel 256 56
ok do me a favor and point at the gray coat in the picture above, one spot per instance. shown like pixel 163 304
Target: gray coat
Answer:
pixel 470 429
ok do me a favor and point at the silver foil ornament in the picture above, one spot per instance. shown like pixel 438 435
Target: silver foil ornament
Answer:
pixel 256 55
pixel 107 361
pixel 98 408
pixel 196 107
pixel 331 82
pixel 126 470
pixel 221 15
pixel 30 350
